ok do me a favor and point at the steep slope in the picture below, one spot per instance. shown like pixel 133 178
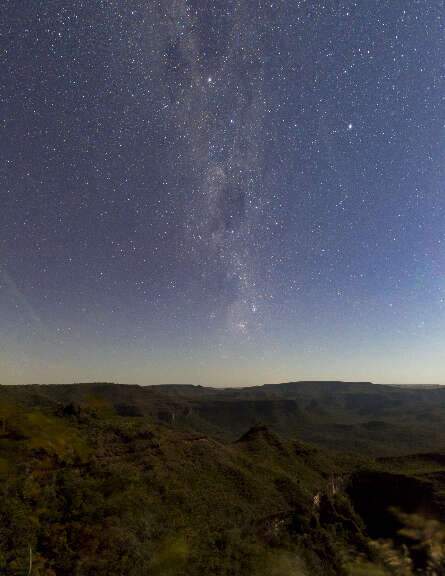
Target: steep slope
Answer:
pixel 87 491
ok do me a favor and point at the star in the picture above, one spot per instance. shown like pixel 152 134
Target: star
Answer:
pixel 227 179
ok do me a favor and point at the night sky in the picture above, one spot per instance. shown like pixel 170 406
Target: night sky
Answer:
pixel 222 192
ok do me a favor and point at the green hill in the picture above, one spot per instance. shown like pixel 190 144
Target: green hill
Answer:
pixel 110 479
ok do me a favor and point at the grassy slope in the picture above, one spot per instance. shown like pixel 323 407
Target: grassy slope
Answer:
pixel 92 492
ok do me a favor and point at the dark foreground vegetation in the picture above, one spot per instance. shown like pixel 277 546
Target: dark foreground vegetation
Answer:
pixel 287 480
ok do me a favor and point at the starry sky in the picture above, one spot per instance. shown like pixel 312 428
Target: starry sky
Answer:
pixel 222 192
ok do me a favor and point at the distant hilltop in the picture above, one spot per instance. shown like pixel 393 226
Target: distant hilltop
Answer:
pixel 356 416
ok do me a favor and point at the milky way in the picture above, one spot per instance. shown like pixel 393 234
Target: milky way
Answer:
pixel 219 111
pixel 222 192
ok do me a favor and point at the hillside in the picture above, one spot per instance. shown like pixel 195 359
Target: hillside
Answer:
pixel 104 479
